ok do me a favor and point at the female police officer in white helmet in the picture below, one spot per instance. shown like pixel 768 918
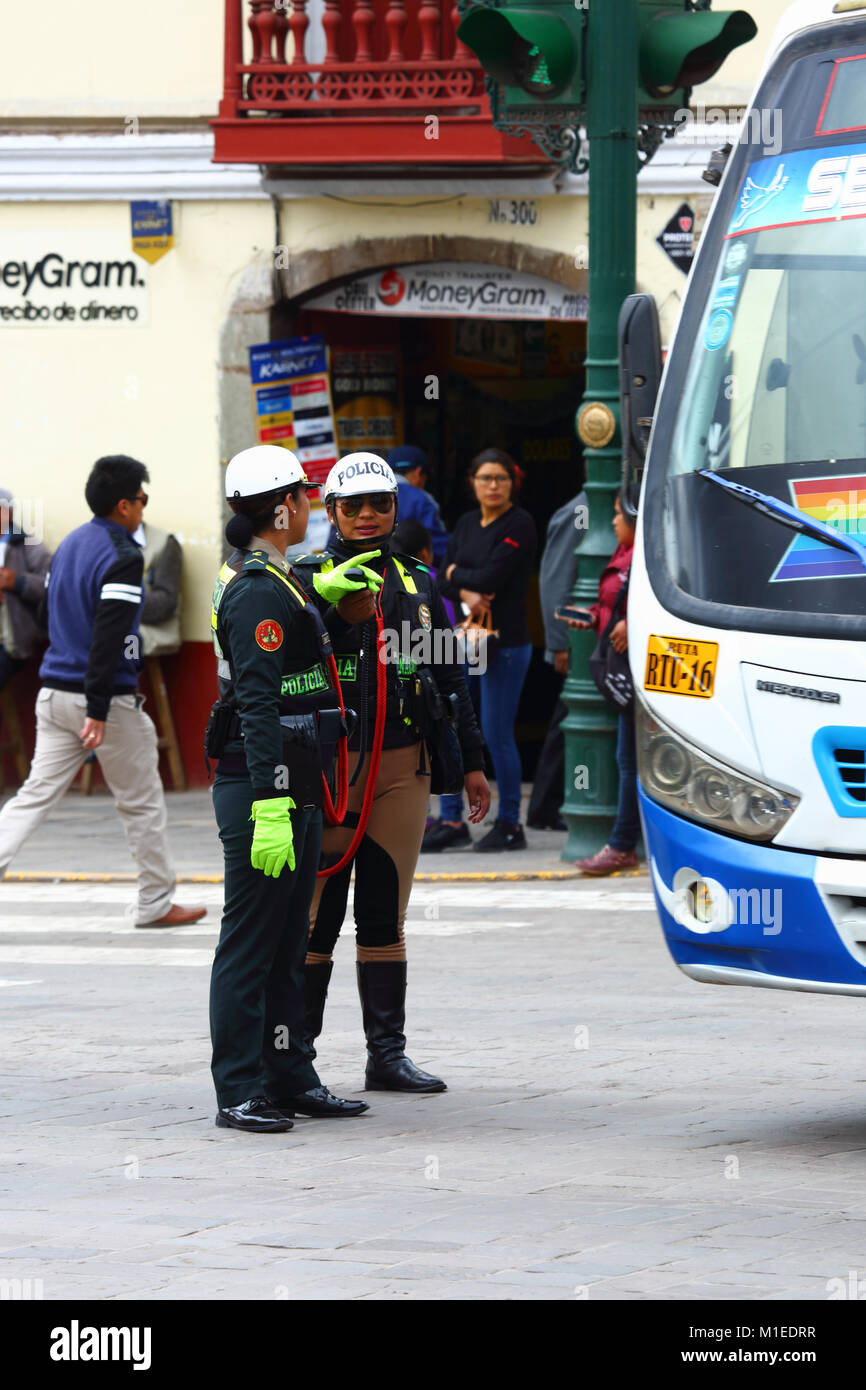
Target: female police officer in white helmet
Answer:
pixel 270 735
pixel 409 693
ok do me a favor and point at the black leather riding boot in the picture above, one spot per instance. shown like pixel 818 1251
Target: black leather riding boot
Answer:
pixel 382 987
pixel 316 980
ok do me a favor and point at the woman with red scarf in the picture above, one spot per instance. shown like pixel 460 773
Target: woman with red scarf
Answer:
pixel 619 852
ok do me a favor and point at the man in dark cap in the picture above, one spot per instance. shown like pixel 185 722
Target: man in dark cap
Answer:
pixel 414 503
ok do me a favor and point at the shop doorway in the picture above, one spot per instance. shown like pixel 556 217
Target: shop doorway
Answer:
pixel 455 386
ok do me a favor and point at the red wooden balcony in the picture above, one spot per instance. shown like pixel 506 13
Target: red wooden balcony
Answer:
pixel 312 84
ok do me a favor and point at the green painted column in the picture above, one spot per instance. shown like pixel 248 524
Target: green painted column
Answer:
pixel 612 93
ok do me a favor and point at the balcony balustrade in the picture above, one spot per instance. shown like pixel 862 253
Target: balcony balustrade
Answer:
pixel 355 82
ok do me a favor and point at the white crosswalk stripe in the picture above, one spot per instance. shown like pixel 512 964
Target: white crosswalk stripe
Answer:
pixel 88 926
pixel 92 912
pixel 103 955
pixel 526 894
pixel 14 894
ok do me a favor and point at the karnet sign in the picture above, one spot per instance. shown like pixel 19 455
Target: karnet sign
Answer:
pixel 444 290
pixel 89 281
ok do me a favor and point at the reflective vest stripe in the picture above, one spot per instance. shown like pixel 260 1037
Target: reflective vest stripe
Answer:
pixel 408 582
pixel 226 575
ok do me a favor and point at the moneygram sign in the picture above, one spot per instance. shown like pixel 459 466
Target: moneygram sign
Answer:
pixel 445 290
pixel 82 284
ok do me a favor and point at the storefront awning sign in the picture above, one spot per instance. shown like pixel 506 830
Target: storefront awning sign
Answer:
pixel 292 401
pixel 445 289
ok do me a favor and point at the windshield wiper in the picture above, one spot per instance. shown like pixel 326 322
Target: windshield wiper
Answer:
pixel 787 515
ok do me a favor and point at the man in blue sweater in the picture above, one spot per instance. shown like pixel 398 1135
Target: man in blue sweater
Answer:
pixel 89 701
pixel 414 502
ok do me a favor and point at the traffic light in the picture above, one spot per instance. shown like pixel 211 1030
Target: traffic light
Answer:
pixel 534 50
pixel 680 48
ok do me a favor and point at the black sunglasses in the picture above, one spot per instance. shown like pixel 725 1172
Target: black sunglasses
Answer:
pixel 139 497
pixel 380 502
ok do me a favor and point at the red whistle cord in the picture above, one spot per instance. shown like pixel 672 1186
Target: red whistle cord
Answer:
pixel 336 814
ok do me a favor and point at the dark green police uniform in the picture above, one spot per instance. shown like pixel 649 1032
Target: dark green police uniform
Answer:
pixel 272 649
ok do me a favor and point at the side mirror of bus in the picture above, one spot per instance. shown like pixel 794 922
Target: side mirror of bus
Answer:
pixel 640 370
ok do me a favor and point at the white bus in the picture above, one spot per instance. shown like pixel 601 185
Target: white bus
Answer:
pixel 747 603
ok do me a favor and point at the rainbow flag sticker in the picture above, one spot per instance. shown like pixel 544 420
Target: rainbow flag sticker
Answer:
pixel 839 502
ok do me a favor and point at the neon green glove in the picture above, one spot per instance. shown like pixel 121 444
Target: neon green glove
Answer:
pixel 273 845
pixel 332 585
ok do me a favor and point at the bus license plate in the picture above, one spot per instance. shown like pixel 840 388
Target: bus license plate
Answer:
pixel 679 666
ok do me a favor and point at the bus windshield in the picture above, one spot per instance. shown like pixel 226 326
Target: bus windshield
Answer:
pixel 767 382
pixel 779 376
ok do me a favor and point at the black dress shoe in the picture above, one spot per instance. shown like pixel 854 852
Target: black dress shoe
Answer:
pixel 256 1116
pixel 554 823
pixel 319 1103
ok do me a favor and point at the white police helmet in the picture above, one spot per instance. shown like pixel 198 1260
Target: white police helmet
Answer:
pixel 263 468
pixel 359 473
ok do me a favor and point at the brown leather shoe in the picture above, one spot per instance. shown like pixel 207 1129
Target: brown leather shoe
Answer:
pixel 608 861
pixel 177 917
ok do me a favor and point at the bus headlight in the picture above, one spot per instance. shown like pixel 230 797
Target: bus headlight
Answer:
pixel 678 775
pixel 711 793
pixel 670 765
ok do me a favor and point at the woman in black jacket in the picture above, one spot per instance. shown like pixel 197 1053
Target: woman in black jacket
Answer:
pixel 487 568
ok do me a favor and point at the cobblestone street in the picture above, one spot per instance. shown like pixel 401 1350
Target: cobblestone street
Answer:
pixel 611 1130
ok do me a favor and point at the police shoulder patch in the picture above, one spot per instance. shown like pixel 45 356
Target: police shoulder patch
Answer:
pixel 314 560
pixel 255 560
pixel 269 635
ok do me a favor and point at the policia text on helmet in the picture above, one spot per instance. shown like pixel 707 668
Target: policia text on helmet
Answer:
pixel 273 733
pixel 417 734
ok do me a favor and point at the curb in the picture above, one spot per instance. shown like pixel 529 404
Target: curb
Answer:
pixel 516 876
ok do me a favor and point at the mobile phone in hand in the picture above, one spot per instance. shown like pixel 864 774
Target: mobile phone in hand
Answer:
pixel 577 615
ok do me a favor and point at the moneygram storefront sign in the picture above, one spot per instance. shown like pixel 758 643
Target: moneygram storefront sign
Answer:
pixel 447 290
pixel 88 283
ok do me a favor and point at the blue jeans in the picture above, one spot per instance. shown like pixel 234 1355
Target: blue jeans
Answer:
pixel 626 827
pixel 500 685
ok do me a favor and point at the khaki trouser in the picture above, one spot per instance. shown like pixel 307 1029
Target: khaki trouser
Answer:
pixel 384 863
pixel 128 757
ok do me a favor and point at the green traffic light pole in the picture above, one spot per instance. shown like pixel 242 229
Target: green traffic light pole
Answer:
pixel 591 779
pixel 541 50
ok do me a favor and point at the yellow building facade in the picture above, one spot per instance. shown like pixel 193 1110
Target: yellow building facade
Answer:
pixel 108 108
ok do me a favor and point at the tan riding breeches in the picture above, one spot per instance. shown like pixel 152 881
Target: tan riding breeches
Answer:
pixel 384 862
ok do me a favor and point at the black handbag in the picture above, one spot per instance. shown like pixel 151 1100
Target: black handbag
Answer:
pixel 608 667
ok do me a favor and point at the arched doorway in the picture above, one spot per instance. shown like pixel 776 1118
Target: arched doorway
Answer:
pixel 453 374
